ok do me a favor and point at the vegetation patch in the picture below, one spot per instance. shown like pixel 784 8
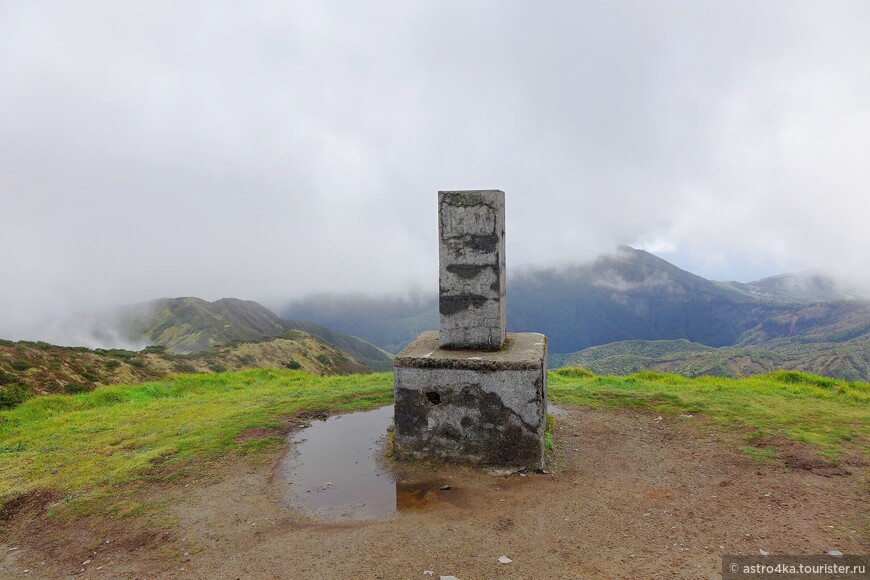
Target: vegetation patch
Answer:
pixel 762 456
pixel 76 388
pixel 7 378
pixel 574 373
pixel 20 364
pixel 12 395
pixel 832 416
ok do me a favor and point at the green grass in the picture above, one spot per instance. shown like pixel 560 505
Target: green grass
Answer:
pixel 98 449
pixel 549 444
pixel 94 445
pixel 824 412
pixel 763 456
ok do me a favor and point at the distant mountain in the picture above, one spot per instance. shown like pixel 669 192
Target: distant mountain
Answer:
pixel 811 323
pixel 630 295
pixel 189 325
pixel 797 288
pixel 635 295
pixel 387 322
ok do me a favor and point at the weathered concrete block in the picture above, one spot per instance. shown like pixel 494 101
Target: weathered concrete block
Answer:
pixel 471 269
pixel 482 407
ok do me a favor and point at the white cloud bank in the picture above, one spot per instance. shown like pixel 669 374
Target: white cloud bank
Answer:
pixel 267 150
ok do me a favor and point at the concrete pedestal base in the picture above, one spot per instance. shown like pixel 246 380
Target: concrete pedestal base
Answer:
pixel 482 407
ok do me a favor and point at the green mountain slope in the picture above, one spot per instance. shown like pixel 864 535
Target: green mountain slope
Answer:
pixel 845 360
pixel 809 323
pixel 370 355
pixel 189 325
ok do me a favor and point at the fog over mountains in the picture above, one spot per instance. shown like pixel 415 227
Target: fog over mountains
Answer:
pixel 652 313
pixel 631 294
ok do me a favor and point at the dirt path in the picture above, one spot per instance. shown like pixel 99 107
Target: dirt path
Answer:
pixel 631 497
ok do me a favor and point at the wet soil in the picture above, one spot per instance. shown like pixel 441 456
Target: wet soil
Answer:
pixel 630 496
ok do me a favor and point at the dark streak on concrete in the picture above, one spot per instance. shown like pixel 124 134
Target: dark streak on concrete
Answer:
pixel 487 244
pixel 464 199
pixel 448 305
pixel 469 271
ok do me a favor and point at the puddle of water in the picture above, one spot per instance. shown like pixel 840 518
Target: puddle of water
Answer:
pixel 336 472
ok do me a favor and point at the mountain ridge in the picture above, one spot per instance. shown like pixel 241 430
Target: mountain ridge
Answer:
pixel 628 295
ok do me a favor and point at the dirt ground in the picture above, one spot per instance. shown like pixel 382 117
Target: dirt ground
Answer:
pixel 630 496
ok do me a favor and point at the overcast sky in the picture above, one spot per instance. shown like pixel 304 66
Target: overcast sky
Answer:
pixel 267 150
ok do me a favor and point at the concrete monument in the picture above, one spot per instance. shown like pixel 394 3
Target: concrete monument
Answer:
pixel 472 392
pixel 471 269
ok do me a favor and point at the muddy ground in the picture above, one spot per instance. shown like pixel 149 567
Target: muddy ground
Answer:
pixel 630 496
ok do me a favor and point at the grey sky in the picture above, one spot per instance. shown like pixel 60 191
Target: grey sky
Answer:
pixel 267 150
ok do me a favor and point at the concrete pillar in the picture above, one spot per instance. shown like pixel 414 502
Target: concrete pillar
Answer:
pixel 471 269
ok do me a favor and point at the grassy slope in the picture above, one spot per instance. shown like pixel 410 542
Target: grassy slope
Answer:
pixel 97 449
pixel 367 353
pixel 827 413
pixel 92 446
pixel 42 368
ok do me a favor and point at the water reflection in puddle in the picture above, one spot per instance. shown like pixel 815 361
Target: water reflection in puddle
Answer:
pixel 336 471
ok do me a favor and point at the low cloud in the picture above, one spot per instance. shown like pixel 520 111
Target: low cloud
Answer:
pixel 272 150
